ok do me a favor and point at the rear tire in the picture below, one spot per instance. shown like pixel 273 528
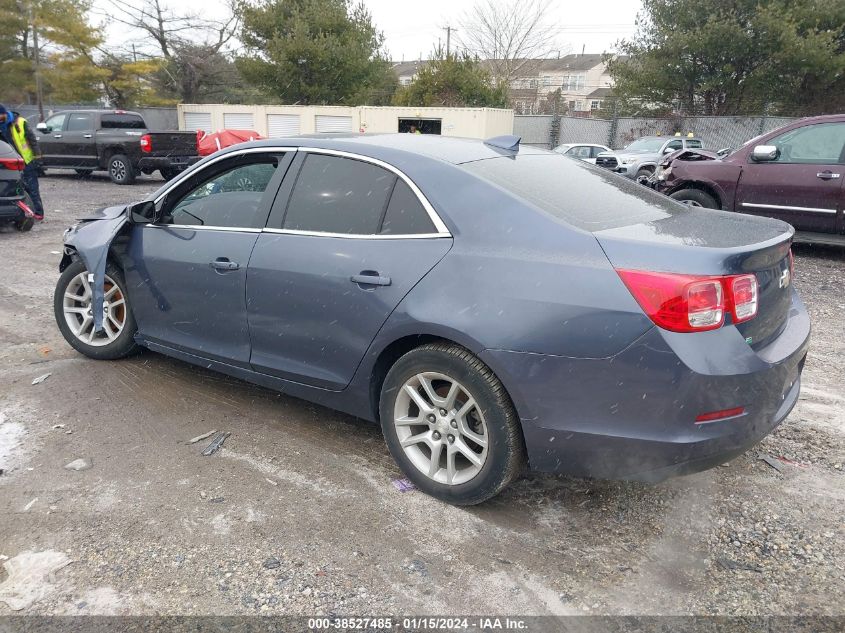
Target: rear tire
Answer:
pixel 24 224
pixel 695 198
pixel 479 421
pixel 169 174
pixel 121 170
pixel 71 301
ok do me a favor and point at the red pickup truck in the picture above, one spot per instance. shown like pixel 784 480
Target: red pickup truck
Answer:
pixel 794 173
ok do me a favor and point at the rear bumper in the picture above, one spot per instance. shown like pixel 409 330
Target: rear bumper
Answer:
pixel 632 416
pixel 9 209
pixel 175 163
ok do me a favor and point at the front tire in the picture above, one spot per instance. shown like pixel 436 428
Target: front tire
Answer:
pixel 72 305
pixel 121 170
pixel 695 198
pixel 450 425
pixel 24 224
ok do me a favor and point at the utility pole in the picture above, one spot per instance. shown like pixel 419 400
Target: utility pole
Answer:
pixel 449 30
pixel 39 93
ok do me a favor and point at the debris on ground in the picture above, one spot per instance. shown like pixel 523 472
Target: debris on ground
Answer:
pixel 726 563
pixel 216 500
pixel 29 575
pixel 403 485
pixel 30 504
pixel 79 464
pixel 216 443
pixel 58 426
pixel 771 461
pixel 270 481
pixel 196 439
pixel 41 379
pixel 44 350
pixel 272 563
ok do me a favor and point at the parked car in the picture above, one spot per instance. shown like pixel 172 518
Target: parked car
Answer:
pixel 490 305
pixel 583 151
pixel 14 201
pixel 794 174
pixel 639 159
pixel 115 141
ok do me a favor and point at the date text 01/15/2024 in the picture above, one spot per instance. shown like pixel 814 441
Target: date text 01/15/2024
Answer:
pixel 419 623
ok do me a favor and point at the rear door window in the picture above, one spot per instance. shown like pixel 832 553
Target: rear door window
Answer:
pixel 694 144
pixel 80 122
pixel 333 194
pixel 122 122
pixel 405 214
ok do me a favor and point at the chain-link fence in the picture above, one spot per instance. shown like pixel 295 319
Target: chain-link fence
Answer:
pixel 716 132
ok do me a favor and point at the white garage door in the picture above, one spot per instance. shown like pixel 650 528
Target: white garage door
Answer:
pixel 282 125
pixel 238 121
pixel 331 123
pixel 198 121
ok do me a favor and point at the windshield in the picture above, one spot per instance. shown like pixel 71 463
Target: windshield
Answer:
pixel 646 145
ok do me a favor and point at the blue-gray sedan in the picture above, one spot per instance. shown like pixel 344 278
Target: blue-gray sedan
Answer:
pixel 492 306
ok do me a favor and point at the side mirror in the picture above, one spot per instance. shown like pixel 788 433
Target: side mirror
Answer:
pixel 141 212
pixel 668 150
pixel 42 127
pixel 764 153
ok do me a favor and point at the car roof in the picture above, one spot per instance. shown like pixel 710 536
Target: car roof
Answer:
pixel 452 150
pixel 95 111
pixel 670 138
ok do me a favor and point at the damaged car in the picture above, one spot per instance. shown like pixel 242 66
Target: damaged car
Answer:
pixel 794 174
pixel 494 307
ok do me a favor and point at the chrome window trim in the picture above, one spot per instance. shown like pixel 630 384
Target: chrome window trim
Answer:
pixel 360 236
pixel 442 230
pixel 200 227
pixel 778 207
pixel 250 150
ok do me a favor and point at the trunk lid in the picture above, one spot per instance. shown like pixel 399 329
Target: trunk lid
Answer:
pixel 706 242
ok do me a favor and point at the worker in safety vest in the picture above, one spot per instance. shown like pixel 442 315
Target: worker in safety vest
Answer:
pixel 15 130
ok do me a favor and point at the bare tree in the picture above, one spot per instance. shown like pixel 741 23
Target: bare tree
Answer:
pixel 192 47
pixel 508 34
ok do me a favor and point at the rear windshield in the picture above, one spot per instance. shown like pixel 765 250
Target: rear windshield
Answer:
pixel 122 122
pixel 585 196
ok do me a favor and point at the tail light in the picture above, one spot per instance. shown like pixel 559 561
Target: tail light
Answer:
pixel 146 143
pixel 15 164
pixel 692 303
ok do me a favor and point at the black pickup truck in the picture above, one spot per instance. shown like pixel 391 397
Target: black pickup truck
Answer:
pixel 116 141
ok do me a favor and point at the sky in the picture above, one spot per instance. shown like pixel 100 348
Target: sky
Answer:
pixel 412 29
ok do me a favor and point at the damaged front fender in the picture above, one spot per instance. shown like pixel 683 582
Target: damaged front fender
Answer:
pixel 91 239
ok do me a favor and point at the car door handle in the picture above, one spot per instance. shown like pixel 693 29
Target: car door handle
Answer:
pixel 370 278
pixel 223 263
pixel 87 136
pixel 57 136
pixel 827 175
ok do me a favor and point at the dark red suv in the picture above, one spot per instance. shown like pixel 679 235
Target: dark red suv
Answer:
pixel 794 173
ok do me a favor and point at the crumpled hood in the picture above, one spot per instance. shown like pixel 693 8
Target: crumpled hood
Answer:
pixel 91 238
pixel 689 154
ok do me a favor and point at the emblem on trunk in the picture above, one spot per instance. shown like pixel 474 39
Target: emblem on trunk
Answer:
pixel 784 278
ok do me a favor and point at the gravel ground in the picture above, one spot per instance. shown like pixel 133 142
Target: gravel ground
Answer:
pixel 297 513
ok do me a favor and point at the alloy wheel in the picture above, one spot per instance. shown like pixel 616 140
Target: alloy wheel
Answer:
pixel 441 428
pixel 78 310
pixel 118 170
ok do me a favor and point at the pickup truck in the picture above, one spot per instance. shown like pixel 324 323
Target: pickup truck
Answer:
pixel 794 173
pixel 639 159
pixel 116 141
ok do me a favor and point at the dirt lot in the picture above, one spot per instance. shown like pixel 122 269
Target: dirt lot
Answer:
pixel 297 513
